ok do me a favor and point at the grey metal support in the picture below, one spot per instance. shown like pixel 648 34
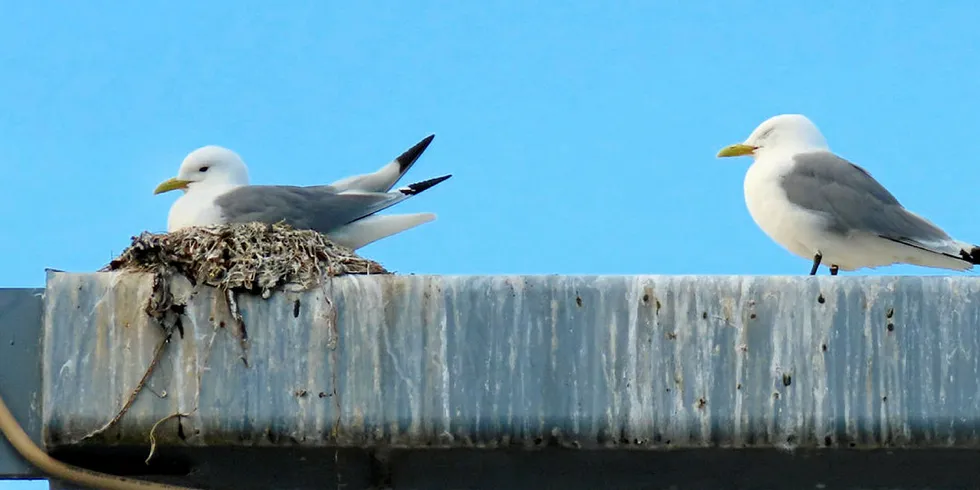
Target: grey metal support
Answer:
pixel 427 382
pixel 20 373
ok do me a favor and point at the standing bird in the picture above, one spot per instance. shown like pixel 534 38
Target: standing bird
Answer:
pixel 824 208
pixel 217 191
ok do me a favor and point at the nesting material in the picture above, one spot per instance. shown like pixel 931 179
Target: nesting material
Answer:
pixel 252 257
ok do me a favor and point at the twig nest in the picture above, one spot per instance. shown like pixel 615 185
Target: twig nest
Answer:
pixel 252 257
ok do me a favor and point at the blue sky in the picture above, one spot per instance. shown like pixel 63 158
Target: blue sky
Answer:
pixel 582 139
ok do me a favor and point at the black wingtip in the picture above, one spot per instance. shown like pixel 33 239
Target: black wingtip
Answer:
pixel 972 256
pixel 413 189
pixel 405 160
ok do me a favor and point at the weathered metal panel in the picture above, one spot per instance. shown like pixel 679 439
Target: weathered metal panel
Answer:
pixel 585 362
pixel 20 376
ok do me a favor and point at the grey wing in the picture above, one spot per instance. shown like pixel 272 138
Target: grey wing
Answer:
pixel 317 208
pixel 852 200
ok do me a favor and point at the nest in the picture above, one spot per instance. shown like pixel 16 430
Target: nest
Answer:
pixel 249 257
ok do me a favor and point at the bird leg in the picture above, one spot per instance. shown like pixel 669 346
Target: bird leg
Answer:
pixel 833 270
pixel 816 263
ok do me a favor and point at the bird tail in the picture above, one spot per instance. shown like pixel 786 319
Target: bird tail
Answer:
pixel 418 187
pixel 945 254
pixel 971 254
pixel 373 228
pixel 387 176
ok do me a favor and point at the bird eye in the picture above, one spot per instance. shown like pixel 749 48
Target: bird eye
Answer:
pixel 203 169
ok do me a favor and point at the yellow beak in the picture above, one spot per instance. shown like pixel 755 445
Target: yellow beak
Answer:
pixel 736 151
pixel 171 185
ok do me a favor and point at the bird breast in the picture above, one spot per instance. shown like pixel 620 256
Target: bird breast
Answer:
pixel 197 208
pixel 784 222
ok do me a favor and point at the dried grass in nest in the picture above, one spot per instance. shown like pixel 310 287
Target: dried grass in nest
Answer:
pixel 249 257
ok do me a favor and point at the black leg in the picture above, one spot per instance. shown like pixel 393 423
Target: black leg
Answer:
pixel 833 270
pixel 816 263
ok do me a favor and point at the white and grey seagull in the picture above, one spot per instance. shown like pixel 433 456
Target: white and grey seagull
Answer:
pixel 828 210
pixel 217 191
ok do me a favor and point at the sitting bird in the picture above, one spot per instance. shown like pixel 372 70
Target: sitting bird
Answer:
pixel 217 191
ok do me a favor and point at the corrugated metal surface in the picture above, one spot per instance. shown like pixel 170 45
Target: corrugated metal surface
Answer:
pixel 590 362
